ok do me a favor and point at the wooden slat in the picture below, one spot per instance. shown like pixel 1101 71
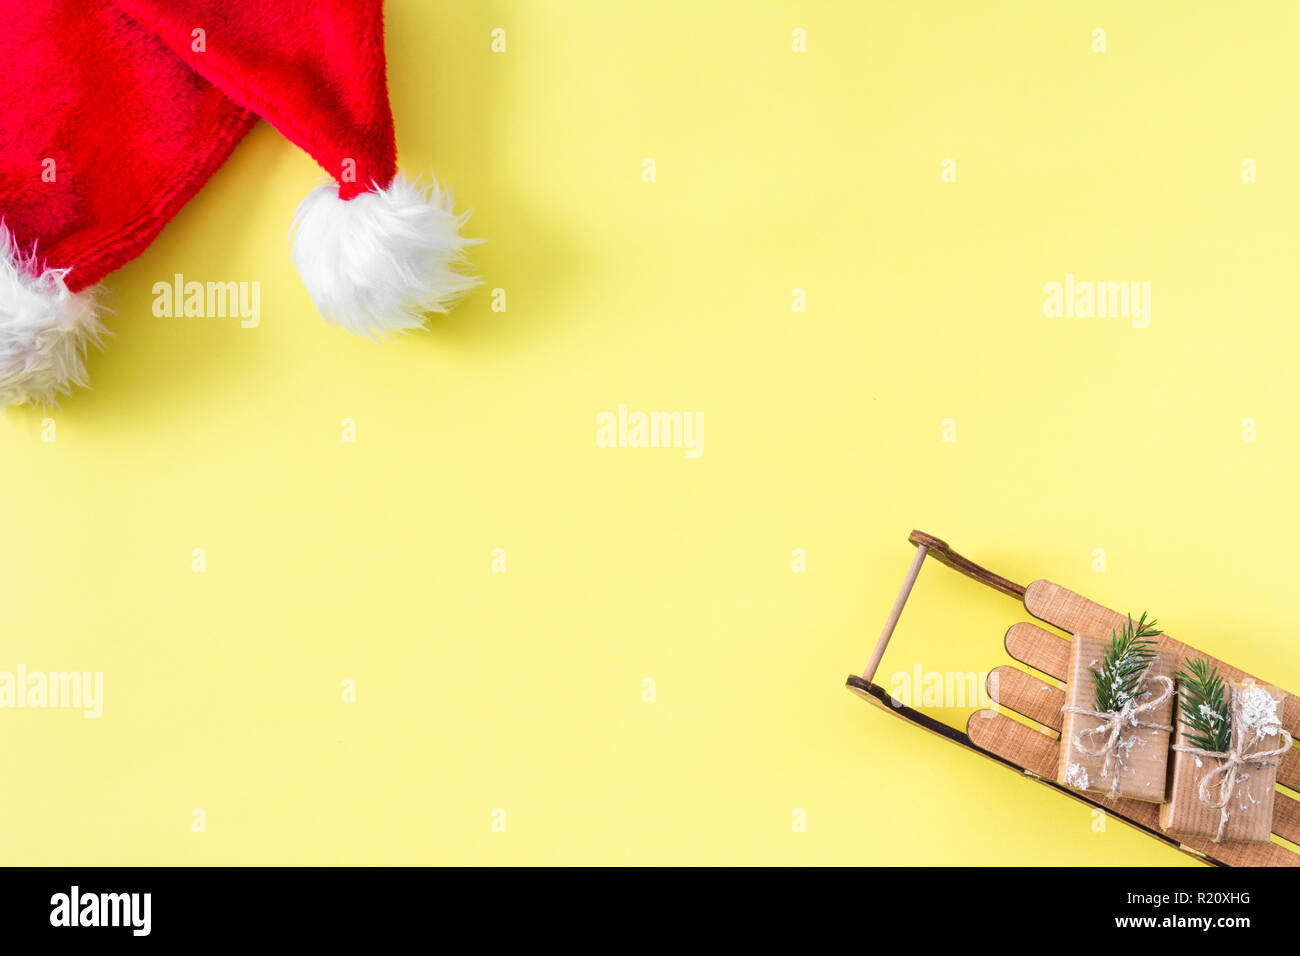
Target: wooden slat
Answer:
pixel 1288 773
pixel 1013 688
pixel 1050 653
pixel 1036 752
pixel 1075 613
pixel 1070 611
pixel 1028 748
pixel 1040 649
pixel 1286 817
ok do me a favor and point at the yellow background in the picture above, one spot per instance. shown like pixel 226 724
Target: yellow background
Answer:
pixel 523 690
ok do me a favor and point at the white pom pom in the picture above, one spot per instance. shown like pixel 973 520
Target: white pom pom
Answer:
pixel 44 329
pixel 378 263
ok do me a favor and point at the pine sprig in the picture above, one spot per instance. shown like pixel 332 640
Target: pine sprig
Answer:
pixel 1123 663
pixel 1205 705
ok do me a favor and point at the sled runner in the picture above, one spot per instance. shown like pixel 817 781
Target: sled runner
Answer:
pixel 1034 752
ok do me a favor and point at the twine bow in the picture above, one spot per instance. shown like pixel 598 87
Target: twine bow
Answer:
pixel 1115 722
pixel 1232 760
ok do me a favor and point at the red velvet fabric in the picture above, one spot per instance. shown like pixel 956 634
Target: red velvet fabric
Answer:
pixel 115 112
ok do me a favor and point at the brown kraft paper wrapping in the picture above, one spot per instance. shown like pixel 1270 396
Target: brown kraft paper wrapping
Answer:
pixel 1250 805
pixel 1143 752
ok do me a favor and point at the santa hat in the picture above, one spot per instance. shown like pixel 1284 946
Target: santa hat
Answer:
pixel 125 109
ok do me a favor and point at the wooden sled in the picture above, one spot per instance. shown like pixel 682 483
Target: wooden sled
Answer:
pixel 1034 752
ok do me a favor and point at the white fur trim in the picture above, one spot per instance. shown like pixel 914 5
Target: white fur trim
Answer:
pixel 44 329
pixel 378 263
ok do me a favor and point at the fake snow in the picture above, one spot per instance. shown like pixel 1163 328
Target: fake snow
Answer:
pixel 1124 746
pixel 1258 711
pixel 1076 776
pixel 1210 714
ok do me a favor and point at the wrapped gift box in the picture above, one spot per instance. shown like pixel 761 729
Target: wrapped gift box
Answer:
pixel 1250 807
pixel 1141 757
